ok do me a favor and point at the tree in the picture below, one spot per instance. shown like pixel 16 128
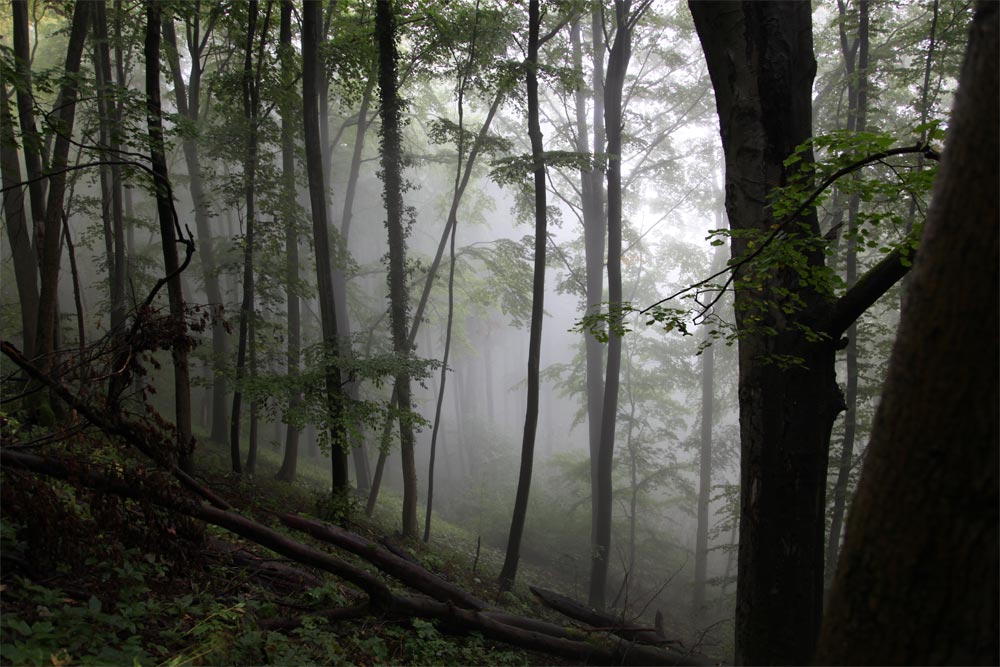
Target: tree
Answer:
pixel 922 535
pixel 286 54
pixel 621 52
pixel 856 122
pixel 788 319
pixel 18 230
pixel 170 236
pixel 312 12
pixel 192 109
pixel 49 245
pixel 385 33
pixel 513 553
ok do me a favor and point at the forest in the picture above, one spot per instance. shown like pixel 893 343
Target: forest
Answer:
pixel 539 332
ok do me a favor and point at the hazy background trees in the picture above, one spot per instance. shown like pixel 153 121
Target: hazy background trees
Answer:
pixel 306 311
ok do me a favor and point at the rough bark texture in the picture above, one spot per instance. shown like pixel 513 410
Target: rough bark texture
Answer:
pixel 399 297
pixel 761 62
pixel 513 554
pixel 311 24
pixel 917 581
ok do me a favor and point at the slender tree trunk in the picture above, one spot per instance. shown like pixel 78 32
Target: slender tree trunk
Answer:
pixel 594 232
pixel 311 71
pixel 49 243
pixel 359 451
pixel 32 143
pixel 509 570
pixel 704 478
pixel 618 60
pixel 188 98
pixel 18 230
pixel 922 534
pixel 169 233
pixel 247 310
pixel 858 119
pixel 112 211
pixel 286 54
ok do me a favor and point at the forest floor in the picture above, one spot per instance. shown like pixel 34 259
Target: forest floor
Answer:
pixel 88 581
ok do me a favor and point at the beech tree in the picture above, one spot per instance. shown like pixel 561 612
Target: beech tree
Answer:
pixel 922 535
pixel 513 553
pixel 761 63
pixel 312 14
pixel 385 32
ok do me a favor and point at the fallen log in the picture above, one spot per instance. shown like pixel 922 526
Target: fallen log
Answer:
pixel 599 620
pixel 150 487
pixel 406 571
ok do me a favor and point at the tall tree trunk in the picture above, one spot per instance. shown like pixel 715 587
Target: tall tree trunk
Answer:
pixel 49 243
pixel 705 458
pixel 618 59
pixel 112 211
pixel 509 570
pixel 18 230
pixel 385 32
pixel 188 98
pixel 32 143
pixel 170 233
pixel 250 109
pixel 359 450
pixel 922 535
pixel 857 120
pixel 312 12
pixel 594 232
pixel 786 412
pixel 286 54
pixel 433 269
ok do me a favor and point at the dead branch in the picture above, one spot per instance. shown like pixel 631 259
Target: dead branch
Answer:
pixel 599 620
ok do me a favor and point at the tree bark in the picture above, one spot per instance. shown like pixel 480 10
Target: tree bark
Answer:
pixel 618 59
pixel 922 535
pixel 286 54
pixel 170 235
pixel 385 31
pixel 513 554
pixel 49 243
pixel 18 230
pixel 188 98
pixel 311 71
pixel 857 120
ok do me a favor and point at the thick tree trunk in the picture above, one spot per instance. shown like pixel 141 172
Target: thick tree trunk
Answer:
pixel 385 31
pixel 169 235
pixel 312 11
pixel 922 534
pixel 509 570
